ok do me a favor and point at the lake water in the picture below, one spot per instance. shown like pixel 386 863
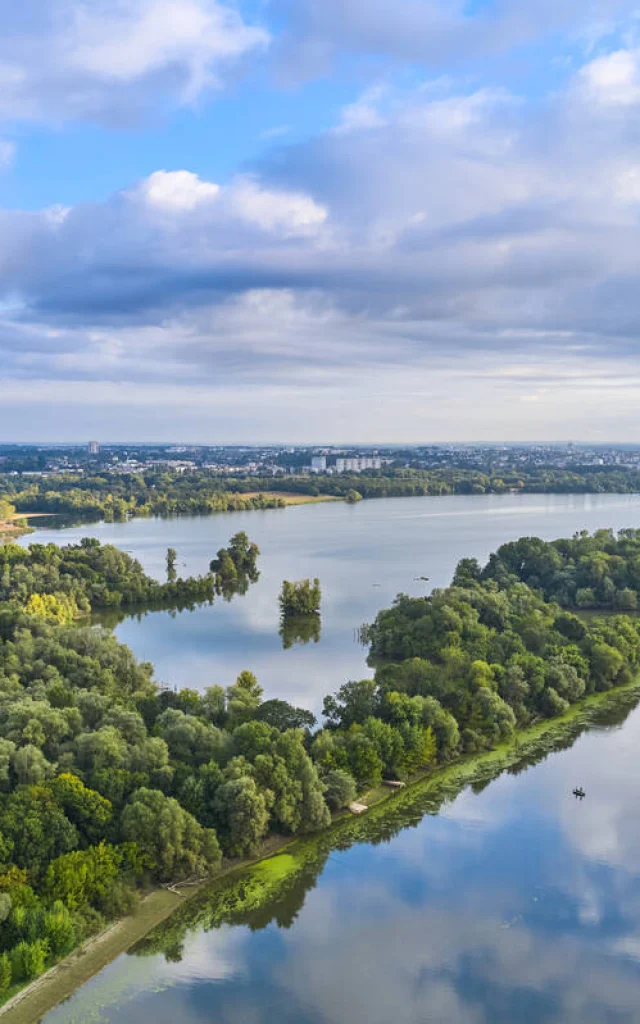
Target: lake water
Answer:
pixel 363 554
pixel 515 904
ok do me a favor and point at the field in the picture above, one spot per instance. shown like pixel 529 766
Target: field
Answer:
pixel 291 498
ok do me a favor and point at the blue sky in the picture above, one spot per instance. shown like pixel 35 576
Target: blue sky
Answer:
pixel 390 220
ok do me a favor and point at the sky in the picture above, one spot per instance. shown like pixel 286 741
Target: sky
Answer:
pixel 316 221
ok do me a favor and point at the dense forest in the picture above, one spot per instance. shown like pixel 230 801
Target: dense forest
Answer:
pixel 600 570
pixel 110 783
pixel 202 492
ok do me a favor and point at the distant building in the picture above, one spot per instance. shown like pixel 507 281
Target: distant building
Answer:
pixel 93 448
pixel 319 464
pixel 357 465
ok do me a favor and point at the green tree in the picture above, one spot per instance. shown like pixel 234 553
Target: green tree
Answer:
pixel 364 761
pixel 83 876
pixel 352 704
pixel 90 812
pixel 242 816
pixel 5 971
pixel 340 788
pixel 175 843
pixel 244 697
pixel 283 716
pixel 29 765
pixel 29 959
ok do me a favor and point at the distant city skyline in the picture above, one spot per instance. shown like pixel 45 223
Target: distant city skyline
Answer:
pixel 404 220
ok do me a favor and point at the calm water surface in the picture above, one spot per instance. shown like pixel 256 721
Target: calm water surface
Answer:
pixel 516 903
pixel 363 555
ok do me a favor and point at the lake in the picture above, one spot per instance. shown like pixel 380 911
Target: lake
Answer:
pixel 514 903
pixel 363 554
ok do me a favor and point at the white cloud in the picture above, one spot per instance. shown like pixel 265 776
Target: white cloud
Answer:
pixel 177 190
pixel 113 59
pixel 613 79
pixel 291 213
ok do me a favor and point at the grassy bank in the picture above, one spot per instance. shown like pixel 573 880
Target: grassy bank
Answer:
pixel 11 529
pixel 287 869
pixel 291 498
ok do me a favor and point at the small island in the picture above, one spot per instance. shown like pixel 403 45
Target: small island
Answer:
pixel 300 598
pixel 300 612
pixel 236 566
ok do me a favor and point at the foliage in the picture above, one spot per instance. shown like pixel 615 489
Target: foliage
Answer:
pixel 283 716
pixel 600 570
pixel 238 559
pixel 477 661
pixel 58 583
pixel 7 510
pixel 176 845
pixel 300 599
pixel 163 492
pixel 340 788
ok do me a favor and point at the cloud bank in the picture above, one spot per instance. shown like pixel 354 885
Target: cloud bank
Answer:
pixel 452 259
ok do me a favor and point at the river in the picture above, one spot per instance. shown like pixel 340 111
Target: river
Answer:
pixel 514 903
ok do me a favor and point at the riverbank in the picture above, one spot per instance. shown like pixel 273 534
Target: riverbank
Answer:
pixel 11 530
pixel 17 525
pixel 245 886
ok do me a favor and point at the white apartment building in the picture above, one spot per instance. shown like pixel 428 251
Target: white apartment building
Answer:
pixel 357 465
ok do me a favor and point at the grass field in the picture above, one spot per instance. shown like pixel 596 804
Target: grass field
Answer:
pixel 290 498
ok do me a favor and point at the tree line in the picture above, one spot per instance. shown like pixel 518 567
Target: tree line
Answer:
pixel 162 492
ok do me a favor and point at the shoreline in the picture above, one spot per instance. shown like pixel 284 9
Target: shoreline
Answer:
pixel 17 525
pixel 32 1001
pixel 292 499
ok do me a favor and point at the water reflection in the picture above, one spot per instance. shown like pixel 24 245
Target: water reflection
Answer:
pixel 501 903
pixel 300 630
